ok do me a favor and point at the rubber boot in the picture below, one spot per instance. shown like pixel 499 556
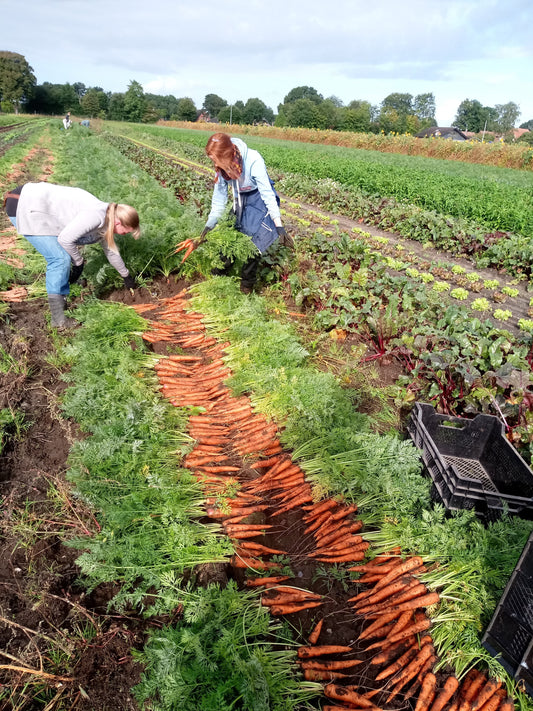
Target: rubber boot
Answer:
pixel 57 304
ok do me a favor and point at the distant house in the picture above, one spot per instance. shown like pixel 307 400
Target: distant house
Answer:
pixel 449 132
pixel 517 132
pixel 205 118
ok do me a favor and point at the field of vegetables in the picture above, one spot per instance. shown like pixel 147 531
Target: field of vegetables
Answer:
pixel 208 499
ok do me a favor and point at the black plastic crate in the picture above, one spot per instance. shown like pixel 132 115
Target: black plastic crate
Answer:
pixel 472 463
pixel 509 635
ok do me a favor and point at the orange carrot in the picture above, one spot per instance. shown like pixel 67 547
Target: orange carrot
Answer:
pixel 422 601
pixel 401 624
pixel 493 703
pixel 216 469
pixel 427 692
pixel 315 633
pixel 374 629
pixel 242 535
pixel 389 653
pixel 256 582
pixel 470 687
pixel 259 548
pixel 264 463
pixel 183 245
pixel 317 509
pixel 343 535
pixel 330 663
pixel 345 511
pixel 247 527
pixel 412 669
pixel 298 501
pixel 291 590
pixel 486 692
pixel 321 650
pixel 281 599
pixel 348 695
pixel 350 558
pixel 323 537
pixel 322 675
pixel 445 694
pixel 417 683
pixel 412 590
pixel 342 548
pixel 317 522
pixel 400 569
pixel 289 609
pixel 412 629
pixel 369 597
pixel 295 486
pixel 190 358
pixel 399 664
pixel 253 563
pixel 376 563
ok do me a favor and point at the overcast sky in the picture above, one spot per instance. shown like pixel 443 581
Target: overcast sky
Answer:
pixel 351 49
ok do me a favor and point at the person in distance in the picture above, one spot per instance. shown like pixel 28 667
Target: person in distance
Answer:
pixel 56 220
pixel 255 202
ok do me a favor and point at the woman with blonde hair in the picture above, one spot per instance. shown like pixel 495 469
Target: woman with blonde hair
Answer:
pixel 255 202
pixel 56 220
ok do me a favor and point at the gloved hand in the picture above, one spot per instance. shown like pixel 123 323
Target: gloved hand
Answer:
pixel 204 232
pixel 129 282
pixel 284 238
pixel 75 272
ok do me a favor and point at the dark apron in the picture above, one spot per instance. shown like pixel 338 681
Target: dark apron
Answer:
pixel 252 219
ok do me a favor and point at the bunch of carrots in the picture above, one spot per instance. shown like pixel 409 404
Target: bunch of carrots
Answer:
pixel 188 245
pixel 335 532
pixel 393 602
pixel 475 693
pixel 16 294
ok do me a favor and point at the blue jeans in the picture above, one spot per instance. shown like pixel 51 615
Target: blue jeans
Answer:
pixel 57 261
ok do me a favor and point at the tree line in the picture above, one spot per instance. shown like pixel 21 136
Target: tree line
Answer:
pixel 302 107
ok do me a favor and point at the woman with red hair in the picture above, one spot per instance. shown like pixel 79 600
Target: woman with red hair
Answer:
pixel 255 202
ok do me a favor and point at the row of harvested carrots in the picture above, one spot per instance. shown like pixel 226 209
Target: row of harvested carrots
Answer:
pixel 232 439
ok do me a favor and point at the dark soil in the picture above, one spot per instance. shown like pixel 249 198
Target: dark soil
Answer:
pixel 60 647
pixel 44 612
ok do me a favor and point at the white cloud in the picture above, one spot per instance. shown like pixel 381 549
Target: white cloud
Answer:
pixel 245 48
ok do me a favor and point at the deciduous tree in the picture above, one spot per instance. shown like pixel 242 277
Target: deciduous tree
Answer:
pixel 357 116
pixel 302 113
pixel 507 116
pixel 232 114
pixel 471 116
pixel 116 110
pixel 134 102
pixel 90 103
pixel 186 110
pixel 256 111
pixel 401 103
pixel 424 107
pixel 303 92
pixel 17 80
pixel 213 104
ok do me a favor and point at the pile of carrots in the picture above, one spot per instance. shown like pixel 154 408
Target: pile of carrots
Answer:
pixel 474 693
pixel 16 294
pixel 235 446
